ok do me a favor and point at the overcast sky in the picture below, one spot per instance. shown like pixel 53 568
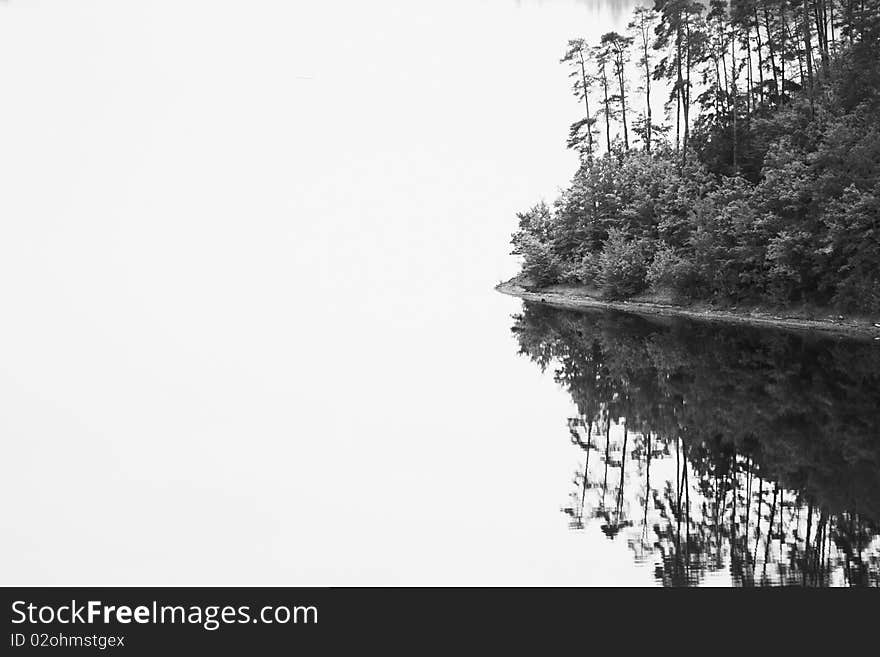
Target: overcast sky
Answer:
pixel 246 259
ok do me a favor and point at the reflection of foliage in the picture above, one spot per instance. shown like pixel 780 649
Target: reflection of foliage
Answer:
pixel 719 448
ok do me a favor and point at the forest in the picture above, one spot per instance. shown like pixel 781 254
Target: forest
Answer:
pixel 729 153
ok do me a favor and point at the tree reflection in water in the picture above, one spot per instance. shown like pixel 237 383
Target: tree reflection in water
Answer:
pixel 710 448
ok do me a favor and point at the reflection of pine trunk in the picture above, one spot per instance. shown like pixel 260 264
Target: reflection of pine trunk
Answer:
pixel 758 521
pixel 823 533
pixel 807 558
pixel 748 500
pixel 720 498
pixel 770 527
pixel 734 488
pixel 678 495
pixel 734 548
pixel 586 465
pixel 678 478
pixel 647 482
pixel 831 520
pixel 687 504
pixel 607 454
pixel 622 475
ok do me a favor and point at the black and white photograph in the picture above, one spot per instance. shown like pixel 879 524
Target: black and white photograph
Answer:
pixel 409 293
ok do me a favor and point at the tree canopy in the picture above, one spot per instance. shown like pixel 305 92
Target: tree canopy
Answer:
pixel 760 184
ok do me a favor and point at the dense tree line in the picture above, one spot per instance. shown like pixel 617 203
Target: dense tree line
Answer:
pixel 760 182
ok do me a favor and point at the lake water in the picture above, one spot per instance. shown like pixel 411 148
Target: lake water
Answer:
pixel 719 454
pixel 249 334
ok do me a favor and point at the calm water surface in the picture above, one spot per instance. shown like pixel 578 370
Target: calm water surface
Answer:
pixel 249 334
pixel 719 454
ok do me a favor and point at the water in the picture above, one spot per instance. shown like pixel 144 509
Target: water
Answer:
pixel 719 454
pixel 249 334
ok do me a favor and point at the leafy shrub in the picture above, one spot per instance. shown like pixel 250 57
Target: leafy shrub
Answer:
pixel 858 294
pixel 663 272
pixel 669 271
pixel 583 271
pixel 621 266
pixel 539 263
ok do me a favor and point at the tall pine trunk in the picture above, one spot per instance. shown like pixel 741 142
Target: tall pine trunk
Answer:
pixel 607 108
pixel 808 52
pixel 772 50
pixel 587 105
pixel 782 52
pixel 687 92
pixel 620 79
pixel 647 91
pixel 733 95
pixel 760 57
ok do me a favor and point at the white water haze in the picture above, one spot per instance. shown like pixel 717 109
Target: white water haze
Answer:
pixel 249 335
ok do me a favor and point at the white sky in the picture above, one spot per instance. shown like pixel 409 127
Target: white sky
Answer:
pixel 246 260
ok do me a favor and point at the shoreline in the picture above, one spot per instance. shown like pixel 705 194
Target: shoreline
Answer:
pixel 578 299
